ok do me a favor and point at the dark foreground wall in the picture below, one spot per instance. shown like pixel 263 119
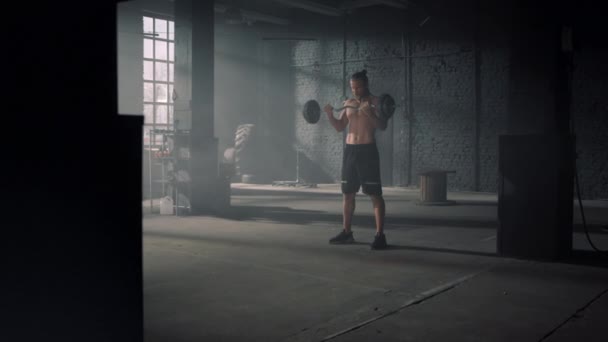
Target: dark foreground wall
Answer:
pixel 71 244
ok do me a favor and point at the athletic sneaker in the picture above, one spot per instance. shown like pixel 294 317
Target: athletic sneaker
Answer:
pixel 379 241
pixel 342 237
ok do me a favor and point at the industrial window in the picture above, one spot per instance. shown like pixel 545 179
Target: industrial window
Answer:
pixel 158 81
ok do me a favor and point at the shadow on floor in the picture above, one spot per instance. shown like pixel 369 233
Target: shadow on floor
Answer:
pixel 282 191
pixel 578 257
pixel 392 247
pixel 302 217
pixel 440 250
pixel 592 228
pixel 587 258
pixel 475 203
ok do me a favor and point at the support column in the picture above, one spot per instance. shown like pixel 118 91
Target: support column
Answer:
pixel 535 159
pixel 478 114
pixel 203 143
pixel 194 107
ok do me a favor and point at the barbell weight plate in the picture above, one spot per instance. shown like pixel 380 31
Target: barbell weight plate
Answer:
pixel 387 106
pixel 312 111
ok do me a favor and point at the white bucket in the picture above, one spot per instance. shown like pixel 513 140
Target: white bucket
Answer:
pixel 166 205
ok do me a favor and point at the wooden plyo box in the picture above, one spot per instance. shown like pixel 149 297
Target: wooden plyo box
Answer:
pixel 434 187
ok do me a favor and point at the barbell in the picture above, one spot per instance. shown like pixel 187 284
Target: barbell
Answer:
pixel 312 109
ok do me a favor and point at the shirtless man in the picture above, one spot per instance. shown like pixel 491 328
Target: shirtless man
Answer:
pixel 360 161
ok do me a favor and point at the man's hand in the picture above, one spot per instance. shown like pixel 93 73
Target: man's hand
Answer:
pixel 369 110
pixel 329 109
pixel 366 109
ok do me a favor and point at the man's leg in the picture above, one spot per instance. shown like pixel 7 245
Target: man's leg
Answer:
pixel 372 186
pixel 348 206
pixel 379 211
pixel 350 186
pixel 379 239
pixel 369 171
pixel 346 235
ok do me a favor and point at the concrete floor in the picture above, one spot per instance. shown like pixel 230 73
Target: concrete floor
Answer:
pixel 265 272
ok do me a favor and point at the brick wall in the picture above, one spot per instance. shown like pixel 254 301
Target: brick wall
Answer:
pixel 444 111
pixel 443 85
pixel 444 125
pixel 319 143
pixel 494 74
pixel 590 115
pixel 375 51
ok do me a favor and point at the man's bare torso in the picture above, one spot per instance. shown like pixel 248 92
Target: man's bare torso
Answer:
pixel 361 128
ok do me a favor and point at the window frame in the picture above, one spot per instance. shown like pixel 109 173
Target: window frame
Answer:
pixel 169 82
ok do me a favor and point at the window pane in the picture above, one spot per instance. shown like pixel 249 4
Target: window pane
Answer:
pixel 148 92
pixel 148 70
pixel 161 71
pixel 160 28
pixel 171 52
pixel 148 113
pixel 148 25
pixel 161 50
pixel 170 114
pixel 170 93
pixel 161 93
pixel 161 114
pixel 171 31
pixel 148 48
pixel 171 72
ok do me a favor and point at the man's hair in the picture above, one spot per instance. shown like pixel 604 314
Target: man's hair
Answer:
pixel 361 76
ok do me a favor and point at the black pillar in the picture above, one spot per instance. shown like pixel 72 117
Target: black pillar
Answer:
pixel 72 239
pixel 194 86
pixel 203 144
pixel 535 158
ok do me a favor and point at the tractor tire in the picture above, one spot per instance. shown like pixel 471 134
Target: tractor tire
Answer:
pixel 244 149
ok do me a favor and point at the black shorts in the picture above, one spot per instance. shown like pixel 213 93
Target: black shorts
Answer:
pixel 361 168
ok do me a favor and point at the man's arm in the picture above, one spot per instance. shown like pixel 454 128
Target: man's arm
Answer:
pixel 381 123
pixel 372 113
pixel 341 122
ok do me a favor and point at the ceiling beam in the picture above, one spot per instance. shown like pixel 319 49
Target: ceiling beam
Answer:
pixel 312 7
pixel 349 5
pixel 395 3
pixel 257 16
pixel 253 15
pixel 353 4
